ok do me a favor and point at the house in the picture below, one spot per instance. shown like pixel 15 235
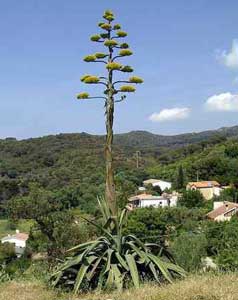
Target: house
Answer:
pixel 208 189
pixel 156 182
pixel 148 200
pixel 19 239
pixel 223 211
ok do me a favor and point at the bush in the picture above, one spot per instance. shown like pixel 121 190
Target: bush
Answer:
pixel 191 199
pixel 188 250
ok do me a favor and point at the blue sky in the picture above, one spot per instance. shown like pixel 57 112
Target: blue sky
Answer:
pixel 182 49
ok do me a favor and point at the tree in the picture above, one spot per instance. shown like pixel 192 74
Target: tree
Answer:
pixel 110 38
pixel 180 178
pixel 191 199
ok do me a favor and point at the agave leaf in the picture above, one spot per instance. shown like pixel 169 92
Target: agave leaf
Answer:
pixel 153 270
pixel 96 264
pixel 142 254
pixel 122 218
pixel 80 277
pixel 122 261
pixel 110 280
pixel 139 242
pixel 161 266
pixel 133 270
pixel 57 279
pixel 109 256
pixel 117 277
pixel 81 246
pixel 70 263
pixel 176 268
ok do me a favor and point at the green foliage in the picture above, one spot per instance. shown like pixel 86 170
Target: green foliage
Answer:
pixel 125 52
pixel 57 225
pixel 191 199
pixel 121 33
pixel 222 240
pixel 95 38
pixel 135 79
pixel 114 66
pixel 162 224
pixel 127 69
pixel 114 260
pixel 7 253
pixel 180 180
pixel 189 249
pixel 83 95
pixel 89 58
pixel 110 43
pixel 127 88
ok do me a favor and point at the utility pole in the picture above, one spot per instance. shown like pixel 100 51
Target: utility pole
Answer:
pixel 197 177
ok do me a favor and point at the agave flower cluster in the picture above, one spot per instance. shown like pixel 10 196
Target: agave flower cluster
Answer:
pixel 110 37
pixel 115 260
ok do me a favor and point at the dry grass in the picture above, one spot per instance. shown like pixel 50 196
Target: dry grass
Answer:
pixel 207 287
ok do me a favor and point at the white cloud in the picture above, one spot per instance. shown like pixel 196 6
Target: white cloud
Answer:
pixel 170 114
pixel 230 59
pixel 222 102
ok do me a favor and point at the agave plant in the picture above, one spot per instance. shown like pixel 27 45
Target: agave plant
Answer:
pixel 115 260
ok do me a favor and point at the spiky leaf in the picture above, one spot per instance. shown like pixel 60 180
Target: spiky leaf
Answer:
pixel 133 270
pixel 127 88
pixel 135 79
pixel 125 52
pixel 83 96
pixel 89 58
pixel 110 43
pixel 121 33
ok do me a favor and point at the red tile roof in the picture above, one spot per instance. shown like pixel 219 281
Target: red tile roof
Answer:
pixel 204 184
pixel 226 207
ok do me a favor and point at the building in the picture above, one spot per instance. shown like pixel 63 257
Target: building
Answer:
pixel 19 239
pixel 148 200
pixel 223 211
pixel 156 182
pixel 208 189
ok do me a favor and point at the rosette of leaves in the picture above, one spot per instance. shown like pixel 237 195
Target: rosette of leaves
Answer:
pixel 115 260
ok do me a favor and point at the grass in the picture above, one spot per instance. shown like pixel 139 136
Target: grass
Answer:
pixel 22 225
pixel 198 287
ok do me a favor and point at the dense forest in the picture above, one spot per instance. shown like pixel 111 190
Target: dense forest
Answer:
pixel 74 163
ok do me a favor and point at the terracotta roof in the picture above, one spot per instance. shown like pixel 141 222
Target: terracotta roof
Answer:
pixel 21 236
pixel 204 184
pixel 226 207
